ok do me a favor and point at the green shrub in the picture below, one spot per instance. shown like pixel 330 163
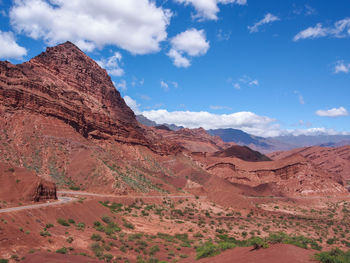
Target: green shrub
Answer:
pixel 334 256
pixel 207 250
pixel 74 188
pixel 153 250
pixel 2 260
pixel 62 250
pixel 62 222
pixel 80 226
pixel 45 234
pixel 71 221
pixel 258 243
pixel 97 249
pixel 106 219
pixel 128 225
pixel 96 237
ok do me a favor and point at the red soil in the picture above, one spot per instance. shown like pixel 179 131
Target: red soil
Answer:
pixel 57 258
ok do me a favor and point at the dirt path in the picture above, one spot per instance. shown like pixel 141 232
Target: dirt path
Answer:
pixel 65 199
pixel 61 200
pixel 127 196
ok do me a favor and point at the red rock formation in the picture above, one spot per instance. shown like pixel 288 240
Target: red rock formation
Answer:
pixel 21 185
pixel 334 160
pixel 65 83
pixel 292 176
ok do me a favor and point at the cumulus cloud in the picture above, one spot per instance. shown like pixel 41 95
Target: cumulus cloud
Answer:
pixel 178 59
pixel 341 67
pixel 268 18
pixel 9 47
pixel 191 42
pixel 112 64
pixel 340 29
pixel 132 104
pixel 334 112
pixel 134 25
pixel 247 121
pixel 208 9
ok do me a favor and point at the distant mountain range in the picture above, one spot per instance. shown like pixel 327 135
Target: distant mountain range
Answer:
pixel 265 145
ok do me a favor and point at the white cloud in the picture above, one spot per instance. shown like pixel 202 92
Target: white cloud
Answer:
pixel 244 81
pixel 112 64
pixel 179 60
pixel 342 67
pixel 121 85
pixel 164 85
pixel 208 9
pixel 132 104
pixel 254 82
pixel 247 121
pixel 191 42
pixel 268 18
pixel 311 32
pixel 313 132
pixel 9 47
pixel 334 112
pixel 134 25
pixel 340 29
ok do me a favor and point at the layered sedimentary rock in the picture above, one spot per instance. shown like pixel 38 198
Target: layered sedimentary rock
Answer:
pixel 65 83
pixel 291 176
pixel 335 160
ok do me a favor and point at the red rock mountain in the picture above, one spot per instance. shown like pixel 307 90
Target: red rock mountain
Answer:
pixel 66 84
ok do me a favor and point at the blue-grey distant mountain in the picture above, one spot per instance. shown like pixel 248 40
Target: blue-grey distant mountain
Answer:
pixel 147 122
pixel 264 145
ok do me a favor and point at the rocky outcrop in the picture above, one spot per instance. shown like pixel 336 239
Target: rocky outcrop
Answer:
pixel 21 185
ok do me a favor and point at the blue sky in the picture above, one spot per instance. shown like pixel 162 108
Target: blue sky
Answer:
pixel 267 67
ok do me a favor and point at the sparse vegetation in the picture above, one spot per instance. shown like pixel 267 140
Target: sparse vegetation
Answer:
pixel 62 222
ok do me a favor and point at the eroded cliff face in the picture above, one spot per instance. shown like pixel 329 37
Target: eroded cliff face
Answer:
pixel 21 185
pixel 66 84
